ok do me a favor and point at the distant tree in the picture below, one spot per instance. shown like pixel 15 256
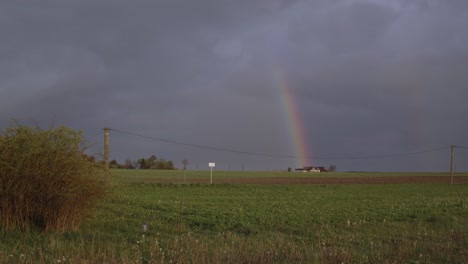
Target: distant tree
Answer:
pixel 151 163
pixel 170 165
pixel 185 162
pixel 153 158
pixel 128 164
pixel 332 168
pixel 142 163
pixel 113 164
pixel 154 163
pixel 161 164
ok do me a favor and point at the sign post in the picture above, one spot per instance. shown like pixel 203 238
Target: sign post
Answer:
pixel 211 164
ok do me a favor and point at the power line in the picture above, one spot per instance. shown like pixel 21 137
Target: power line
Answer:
pixel 203 147
pixel 390 155
pixel 274 155
pixel 89 139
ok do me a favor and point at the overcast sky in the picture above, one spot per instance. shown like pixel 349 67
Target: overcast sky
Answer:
pixel 370 78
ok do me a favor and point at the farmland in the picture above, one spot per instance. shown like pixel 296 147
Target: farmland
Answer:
pixel 279 177
pixel 232 221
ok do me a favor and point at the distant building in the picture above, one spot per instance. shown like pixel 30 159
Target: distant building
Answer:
pixel 312 169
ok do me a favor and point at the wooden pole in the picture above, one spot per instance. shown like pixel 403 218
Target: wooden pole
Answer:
pixel 451 164
pixel 106 146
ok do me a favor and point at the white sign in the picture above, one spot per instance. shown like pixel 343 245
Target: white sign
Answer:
pixel 211 164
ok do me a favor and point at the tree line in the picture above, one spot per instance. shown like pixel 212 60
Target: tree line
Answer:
pixel 149 163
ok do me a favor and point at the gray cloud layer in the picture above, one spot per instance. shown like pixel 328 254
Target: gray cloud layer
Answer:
pixel 370 77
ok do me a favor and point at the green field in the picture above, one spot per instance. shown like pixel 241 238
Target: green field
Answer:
pixel 145 175
pixel 239 223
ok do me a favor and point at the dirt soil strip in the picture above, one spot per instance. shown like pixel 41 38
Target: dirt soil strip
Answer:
pixel 321 180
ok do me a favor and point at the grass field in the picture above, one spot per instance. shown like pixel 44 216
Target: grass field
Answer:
pixel 281 177
pixel 243 223
pixel 141 175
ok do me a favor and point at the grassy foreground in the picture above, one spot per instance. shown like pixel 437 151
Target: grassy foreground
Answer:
pixel 198 223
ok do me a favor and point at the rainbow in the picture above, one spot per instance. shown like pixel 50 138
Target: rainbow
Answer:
pixel 295 126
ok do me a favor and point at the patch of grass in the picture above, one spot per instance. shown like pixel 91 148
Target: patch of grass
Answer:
pixel 261 224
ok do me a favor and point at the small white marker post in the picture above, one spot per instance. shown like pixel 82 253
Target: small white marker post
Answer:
pixel 211 164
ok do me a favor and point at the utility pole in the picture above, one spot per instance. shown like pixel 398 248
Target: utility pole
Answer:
pixel 106 146
pixel 451 163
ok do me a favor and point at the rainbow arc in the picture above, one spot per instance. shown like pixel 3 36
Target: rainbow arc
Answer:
pixel 295 124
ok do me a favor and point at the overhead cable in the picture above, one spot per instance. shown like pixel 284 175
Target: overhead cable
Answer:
pixel 275 155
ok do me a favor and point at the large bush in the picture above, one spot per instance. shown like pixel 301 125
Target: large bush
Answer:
pixel 46 180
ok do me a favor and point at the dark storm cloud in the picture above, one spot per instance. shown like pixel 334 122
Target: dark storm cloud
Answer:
pixel 370 76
